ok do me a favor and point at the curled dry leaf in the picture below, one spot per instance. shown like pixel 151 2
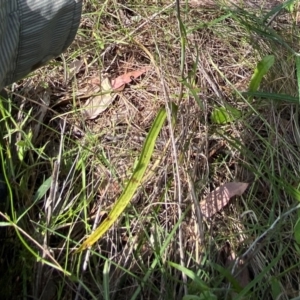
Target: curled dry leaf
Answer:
pixel 220 197
pixel 88 87
pixel 74 68
pixel 120 81
pixel 45 99
pixel 99 103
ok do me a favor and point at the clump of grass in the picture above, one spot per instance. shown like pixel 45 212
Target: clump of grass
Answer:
pixel 66 173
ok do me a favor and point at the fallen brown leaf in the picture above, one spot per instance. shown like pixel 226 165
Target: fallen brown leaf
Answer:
pixel 241 272
pixel 120 81
pixel 96 104
pixel 220 197
pixel 99 103
pixel 88 87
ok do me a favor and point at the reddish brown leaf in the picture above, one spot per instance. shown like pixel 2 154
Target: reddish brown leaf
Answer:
pixel 120 81
pixel 220 197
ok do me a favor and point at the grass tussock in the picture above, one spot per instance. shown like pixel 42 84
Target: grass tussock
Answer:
pixel 65 173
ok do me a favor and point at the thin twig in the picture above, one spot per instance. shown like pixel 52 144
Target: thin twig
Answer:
pixel 212 84
pixel 182 49
pixel 198 210
pixel 179 190
pixel 178 182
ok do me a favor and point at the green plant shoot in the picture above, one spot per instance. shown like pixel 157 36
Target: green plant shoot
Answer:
pixel 260 71
pixel 132 185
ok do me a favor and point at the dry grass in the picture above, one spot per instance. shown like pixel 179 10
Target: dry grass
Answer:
pixel 94 159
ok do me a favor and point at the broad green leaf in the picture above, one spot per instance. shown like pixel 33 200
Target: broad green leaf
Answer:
pixel 132 185
pixel 223 115
pixel 293 192
pixel 191 297
pixel 275 288
pixel 297 232
pixel 207 295
pixel 290 5
pixel 261 69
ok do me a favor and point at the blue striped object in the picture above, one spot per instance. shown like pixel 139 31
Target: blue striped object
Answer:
pixel 32 32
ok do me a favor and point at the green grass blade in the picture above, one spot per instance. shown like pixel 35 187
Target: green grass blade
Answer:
pixel 272 96
pixel 277 8
pixel 132 185
pixel 189 273
pixel 209 24
pixel 298 76
pixel 159 256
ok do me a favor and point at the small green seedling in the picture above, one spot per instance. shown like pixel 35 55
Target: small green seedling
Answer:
pixel 260 71
pixel 225 114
